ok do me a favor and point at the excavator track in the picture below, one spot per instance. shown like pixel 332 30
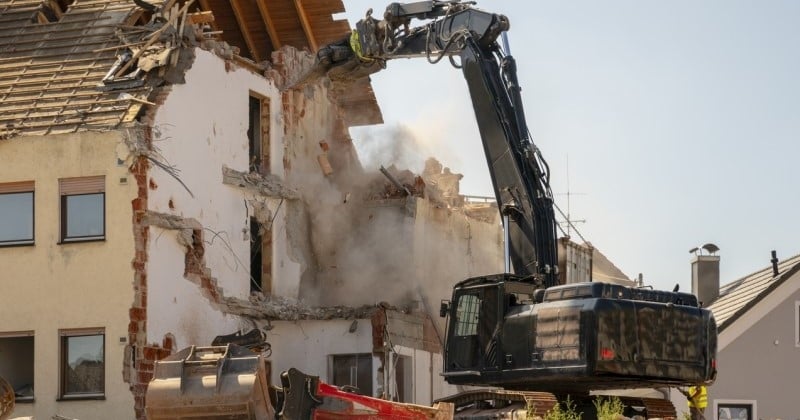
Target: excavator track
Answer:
pixel 489 403
pixel 494 404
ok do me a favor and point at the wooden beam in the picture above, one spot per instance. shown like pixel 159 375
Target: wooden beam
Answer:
pixel 248 37
pixel 207 7
pixel 273 34
pixel 301 12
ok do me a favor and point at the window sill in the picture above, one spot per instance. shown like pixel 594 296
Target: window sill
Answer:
pixel 82 240
pixel 24 400
pixel 17 243
pixel 82 397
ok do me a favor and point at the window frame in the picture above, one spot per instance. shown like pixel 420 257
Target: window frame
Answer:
pixel 332 359
pixel 24 334
pixel 23 189
pixel 722 403
pixel 63 337
pixel 64 214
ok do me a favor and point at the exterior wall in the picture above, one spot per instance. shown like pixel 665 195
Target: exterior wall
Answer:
pixel 306 345
pixel 47 286
pixel 201 127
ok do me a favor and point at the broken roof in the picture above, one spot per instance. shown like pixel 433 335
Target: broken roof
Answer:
pixel 49 70
pixel 737 297
pixel 55 53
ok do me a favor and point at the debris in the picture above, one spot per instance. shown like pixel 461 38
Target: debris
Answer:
pixel 325 164
pixel 268 185
pixel 201 17
pixel 395 181
pixel 285 309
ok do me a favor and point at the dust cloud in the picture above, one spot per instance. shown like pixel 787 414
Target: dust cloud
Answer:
pixel 372 243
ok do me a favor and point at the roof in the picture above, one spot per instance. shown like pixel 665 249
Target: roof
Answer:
pixel 737 297
pixel 53 61
pixel 49 71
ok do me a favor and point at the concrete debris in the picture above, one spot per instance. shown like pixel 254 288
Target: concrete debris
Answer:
pixel 268 185
pixel 397 184
pixel 169 221
pixel 325 164
pixel 278 308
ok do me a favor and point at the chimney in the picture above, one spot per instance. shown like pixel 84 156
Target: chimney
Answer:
pixel 705 278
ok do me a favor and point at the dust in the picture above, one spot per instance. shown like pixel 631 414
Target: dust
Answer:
pixel 373 243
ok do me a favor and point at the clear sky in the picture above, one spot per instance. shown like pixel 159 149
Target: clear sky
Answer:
pixel 680 121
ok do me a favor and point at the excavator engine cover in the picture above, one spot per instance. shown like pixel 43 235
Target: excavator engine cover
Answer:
pixel 208 383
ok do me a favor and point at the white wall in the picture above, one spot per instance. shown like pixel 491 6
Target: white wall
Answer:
pixel 201 127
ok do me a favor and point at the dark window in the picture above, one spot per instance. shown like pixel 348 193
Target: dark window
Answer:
pixel 16 213
pixel 82 209
pixel 354 370
pixel 256 256
pixel 16 363
pixel 258 134
pixel 82 363
pixel 467 314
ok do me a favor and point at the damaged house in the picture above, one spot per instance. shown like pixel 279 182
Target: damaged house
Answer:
pixel 166 180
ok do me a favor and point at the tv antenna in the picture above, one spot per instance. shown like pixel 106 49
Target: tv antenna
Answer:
pixel 569 222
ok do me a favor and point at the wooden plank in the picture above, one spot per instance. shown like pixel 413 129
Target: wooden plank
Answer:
pixel 238 13
pixel 265 15
pixel 301 13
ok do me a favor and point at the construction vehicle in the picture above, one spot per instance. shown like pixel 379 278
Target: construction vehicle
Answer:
pixel 541 341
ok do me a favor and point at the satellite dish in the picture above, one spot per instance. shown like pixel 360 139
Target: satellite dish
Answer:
pixel 694 250
pixel 711 248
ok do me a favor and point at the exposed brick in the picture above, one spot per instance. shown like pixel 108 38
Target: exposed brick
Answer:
pixel 137 314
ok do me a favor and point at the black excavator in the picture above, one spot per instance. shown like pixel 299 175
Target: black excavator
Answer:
pixel 525 331
pixel 531 342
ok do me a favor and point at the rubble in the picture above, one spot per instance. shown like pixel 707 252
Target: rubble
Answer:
pixel 277 308
pixel 268 185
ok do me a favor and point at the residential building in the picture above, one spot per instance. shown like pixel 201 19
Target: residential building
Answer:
pixel 171 173
pixel 758 355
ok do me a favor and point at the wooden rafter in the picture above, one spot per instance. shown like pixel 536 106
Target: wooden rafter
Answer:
pixel 301 12
pixel 205 6
pixel 273 34
pixel 248 37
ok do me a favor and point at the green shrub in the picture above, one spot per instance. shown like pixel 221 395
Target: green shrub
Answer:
pixel 567 412
pixel 608 408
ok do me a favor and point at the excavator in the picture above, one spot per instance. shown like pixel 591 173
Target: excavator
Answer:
pixel 527 339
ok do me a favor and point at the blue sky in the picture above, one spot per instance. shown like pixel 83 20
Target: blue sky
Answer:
pixel 680 121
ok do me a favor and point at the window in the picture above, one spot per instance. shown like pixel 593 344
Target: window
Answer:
pixel 83 363
pixel 16 213
pixel 16 363
pixel 258 134
pixel 467 315
pixel 735 410
pixel 353 370
pixel 82 209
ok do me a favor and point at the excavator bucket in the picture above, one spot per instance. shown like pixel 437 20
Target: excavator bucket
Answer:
pixel 210 383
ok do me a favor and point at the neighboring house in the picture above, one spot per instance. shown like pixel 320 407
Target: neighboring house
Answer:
pixel 758 356
pixel 164 181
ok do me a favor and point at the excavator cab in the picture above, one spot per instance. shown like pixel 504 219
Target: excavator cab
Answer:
pixel 477 317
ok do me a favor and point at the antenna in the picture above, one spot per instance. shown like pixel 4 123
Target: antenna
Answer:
pixel 569 222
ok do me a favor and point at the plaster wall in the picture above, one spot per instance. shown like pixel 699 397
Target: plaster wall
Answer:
pixel 51 286
pixel 201 127
pixel 306 345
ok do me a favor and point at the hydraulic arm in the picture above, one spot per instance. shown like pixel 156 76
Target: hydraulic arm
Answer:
pixel 519 174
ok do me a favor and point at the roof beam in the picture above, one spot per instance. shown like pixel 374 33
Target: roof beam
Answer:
pixel 273 34
pixel 301 12
pixel 206 7
pixel 248 37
